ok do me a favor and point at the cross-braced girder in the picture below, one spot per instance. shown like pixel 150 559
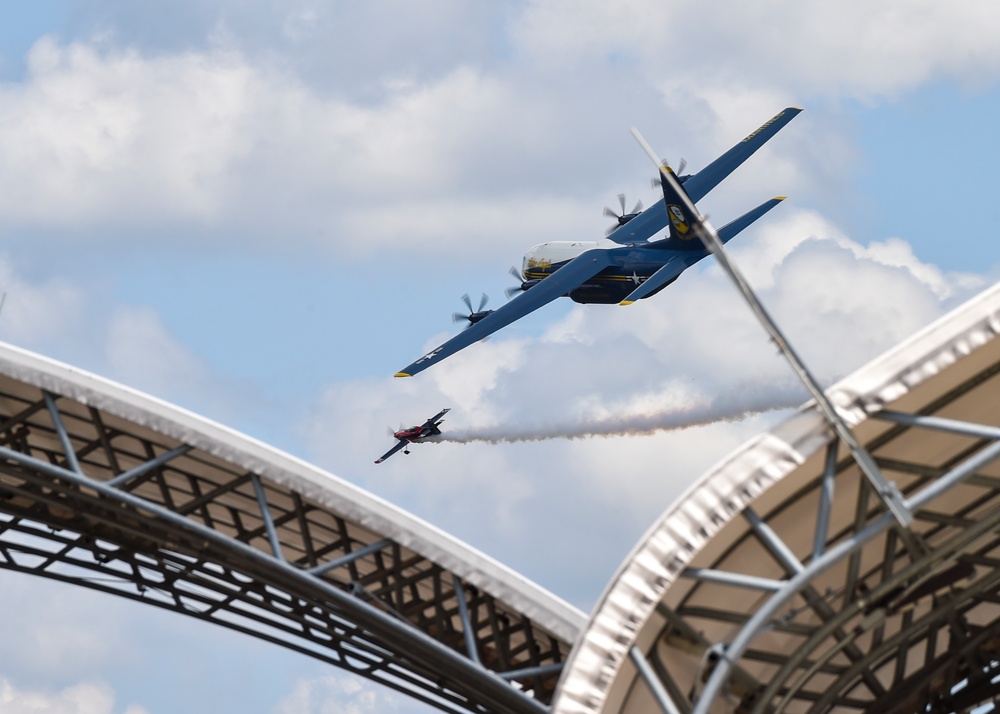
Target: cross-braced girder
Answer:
pixel 864 618
pixel 785 583
pixel 91 498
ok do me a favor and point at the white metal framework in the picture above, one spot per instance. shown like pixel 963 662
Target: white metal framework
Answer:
pixel 113 490
pixel 782 582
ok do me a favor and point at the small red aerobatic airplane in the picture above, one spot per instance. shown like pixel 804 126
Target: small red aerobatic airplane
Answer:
pixel 414 434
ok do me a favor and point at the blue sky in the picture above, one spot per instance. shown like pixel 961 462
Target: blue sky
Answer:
pixel 261 211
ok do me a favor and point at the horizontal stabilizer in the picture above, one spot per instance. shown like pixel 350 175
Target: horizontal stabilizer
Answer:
pixel 729 230
pixel 665 275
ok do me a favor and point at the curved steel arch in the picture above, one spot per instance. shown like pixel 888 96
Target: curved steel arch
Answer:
pixel 110 489
pixel 781 582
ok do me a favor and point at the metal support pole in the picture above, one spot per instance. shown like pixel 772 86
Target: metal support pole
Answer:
pixel 660 693
pixel 141 469
pixel 350 557
pixel 463 612
pixel 723 577
pixel 63 435
pixel 954 426
pixel 825 500
pixel 265 513
pixel 545 670
pixel 778 548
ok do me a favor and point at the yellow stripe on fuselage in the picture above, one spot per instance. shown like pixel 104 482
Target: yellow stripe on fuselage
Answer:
pixel 597 278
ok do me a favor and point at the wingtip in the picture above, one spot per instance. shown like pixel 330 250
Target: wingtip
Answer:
pixel 626 302
pixel 402 374
pixel 780 198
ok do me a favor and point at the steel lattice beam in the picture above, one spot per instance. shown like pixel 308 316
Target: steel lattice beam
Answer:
pixel 92 498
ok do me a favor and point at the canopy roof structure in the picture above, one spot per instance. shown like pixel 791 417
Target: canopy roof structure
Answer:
pixel 781 582
pixel 111 489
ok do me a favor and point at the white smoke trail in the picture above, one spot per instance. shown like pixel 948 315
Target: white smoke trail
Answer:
pixel 724 410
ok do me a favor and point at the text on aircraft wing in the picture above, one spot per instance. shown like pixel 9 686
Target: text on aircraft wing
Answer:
pixel 572 275
pixel 399 445
pixel 699 184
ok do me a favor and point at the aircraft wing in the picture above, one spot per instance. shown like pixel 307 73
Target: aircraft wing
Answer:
pixel 433 419
pixel 654 219
pixel 698 185
pixel 390 452
pixel 642 227
pixel 572 275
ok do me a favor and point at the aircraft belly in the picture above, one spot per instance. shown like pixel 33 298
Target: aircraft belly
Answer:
pixel 613 285
pixel 610 286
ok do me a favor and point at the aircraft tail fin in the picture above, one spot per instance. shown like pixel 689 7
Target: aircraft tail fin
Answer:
pixel 680 220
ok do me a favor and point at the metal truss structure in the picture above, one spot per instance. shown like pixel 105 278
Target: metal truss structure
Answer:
pixel 107 488
pixel 782 582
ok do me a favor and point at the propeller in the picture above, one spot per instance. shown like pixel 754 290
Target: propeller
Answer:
pixel 621 216
pixel 656 182
pixel 473 316
pixel 515 289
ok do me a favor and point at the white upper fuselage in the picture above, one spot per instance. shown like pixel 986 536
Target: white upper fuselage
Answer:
pixel 542 257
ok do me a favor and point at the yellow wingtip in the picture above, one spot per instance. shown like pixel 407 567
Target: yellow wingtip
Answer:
pixel 626 302
pixel 402 374
pixel 780 198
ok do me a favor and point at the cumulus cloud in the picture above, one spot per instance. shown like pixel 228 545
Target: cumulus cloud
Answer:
pixel 342 695
pixel 83 698
pixel 39 311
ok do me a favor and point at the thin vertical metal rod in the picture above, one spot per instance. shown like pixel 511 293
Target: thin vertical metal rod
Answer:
pixel 825 499
pixel 265 512
pixel 64 439
pixel 660 693
pixel 463 612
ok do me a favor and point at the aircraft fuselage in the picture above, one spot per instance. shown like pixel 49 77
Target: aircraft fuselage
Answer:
pixel 634 264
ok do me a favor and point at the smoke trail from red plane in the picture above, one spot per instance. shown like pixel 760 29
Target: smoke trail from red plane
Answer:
pixel 727 410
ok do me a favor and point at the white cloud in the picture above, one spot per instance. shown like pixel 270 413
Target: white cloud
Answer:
pixel 343 694
pixel 83 698
pixel 39 311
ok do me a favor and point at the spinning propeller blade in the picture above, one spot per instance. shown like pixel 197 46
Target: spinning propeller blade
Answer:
pixel 621 216
pixel 473 316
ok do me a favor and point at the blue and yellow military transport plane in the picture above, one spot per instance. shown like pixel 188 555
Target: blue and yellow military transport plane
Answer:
pixel 628 265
